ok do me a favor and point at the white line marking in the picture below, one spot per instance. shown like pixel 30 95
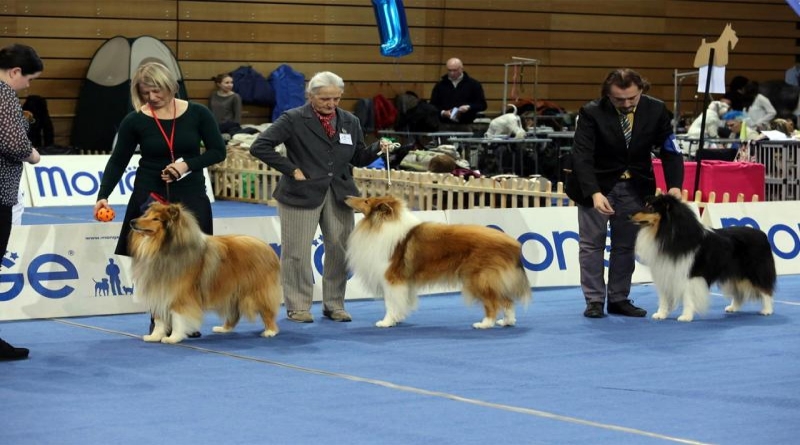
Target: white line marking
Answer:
pixel 411 389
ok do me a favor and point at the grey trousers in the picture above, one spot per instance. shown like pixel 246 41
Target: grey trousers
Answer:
pixel 298 226
pixel 593 227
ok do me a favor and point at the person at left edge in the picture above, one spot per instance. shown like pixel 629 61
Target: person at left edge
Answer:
pixel 169 133
pixel 322 142
pixel 19 65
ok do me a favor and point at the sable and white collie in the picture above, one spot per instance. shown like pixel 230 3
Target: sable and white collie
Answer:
pixel 686 258
pixel 180 272
pixel 392 252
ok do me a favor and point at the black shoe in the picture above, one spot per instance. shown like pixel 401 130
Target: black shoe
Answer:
pixel 594 309
pixel 195 335
pixel 8 352
pixel 626 308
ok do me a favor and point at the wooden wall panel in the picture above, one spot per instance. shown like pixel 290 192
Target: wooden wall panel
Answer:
pixel 575 43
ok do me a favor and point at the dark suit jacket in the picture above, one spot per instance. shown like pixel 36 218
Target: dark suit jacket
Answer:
pixel 325 163
pixel 599 155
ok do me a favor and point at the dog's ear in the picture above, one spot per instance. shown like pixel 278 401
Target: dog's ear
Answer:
pixel 174 212
pixel 385 208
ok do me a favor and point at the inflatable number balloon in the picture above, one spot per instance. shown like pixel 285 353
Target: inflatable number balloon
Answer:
pixel 392 27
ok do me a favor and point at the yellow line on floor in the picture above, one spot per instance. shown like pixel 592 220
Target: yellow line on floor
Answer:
pixel 409 389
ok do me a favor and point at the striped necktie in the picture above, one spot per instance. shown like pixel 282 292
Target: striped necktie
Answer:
pixel 626 128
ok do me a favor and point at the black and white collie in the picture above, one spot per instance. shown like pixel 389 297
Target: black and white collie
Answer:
pixel 686 258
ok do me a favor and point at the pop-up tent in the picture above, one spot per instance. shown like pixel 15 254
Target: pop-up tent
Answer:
pixel 104 98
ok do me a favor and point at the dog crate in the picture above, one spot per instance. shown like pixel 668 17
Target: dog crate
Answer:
pixel 781 160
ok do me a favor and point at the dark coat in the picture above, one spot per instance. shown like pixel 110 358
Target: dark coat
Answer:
pixel 599 155
pixel 468 92
pixel 325 163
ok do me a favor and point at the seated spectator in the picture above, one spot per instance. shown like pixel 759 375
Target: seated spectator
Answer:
pixel 758 108
pixel 739 125
pixel 226 105
pixel 457 96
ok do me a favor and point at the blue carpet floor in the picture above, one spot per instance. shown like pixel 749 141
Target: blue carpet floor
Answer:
pixel 555 378
pixel 84 214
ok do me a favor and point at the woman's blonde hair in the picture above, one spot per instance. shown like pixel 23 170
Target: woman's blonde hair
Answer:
pixel 152 75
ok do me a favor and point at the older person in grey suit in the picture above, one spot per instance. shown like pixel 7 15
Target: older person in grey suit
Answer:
pixel 322 143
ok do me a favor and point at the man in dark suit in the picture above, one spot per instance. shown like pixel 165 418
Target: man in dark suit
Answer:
pixel 612 172
pixel 322 142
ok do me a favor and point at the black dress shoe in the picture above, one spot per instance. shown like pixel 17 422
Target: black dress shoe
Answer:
pixel 594 309
pixel 8 352
pixel 626 308
pixel 195 335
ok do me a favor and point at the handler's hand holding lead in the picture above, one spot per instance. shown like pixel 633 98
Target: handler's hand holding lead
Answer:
pixel 386 145
pixel 170 173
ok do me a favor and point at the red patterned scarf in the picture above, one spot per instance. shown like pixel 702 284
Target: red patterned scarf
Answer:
pixel 326 120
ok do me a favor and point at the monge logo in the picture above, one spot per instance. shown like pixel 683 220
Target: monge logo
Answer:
pixel 54 181
pixel 48 275
pixel 784 239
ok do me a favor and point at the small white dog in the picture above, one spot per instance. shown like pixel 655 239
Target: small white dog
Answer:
pixel 715 111
pixel 508 124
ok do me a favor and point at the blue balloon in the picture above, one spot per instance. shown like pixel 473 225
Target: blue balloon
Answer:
pixel 392 27
pixel 795 4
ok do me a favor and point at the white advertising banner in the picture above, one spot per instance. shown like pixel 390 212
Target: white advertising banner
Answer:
pixel 66 180
pixel 779 220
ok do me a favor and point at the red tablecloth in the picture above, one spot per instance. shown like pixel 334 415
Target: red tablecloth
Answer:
pixel 720 177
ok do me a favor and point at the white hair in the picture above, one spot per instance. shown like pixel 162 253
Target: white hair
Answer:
pixel 324 79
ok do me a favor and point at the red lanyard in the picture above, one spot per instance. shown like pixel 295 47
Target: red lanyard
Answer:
pixel 171 138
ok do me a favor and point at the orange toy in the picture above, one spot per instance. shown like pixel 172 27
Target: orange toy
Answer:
pixel 105 214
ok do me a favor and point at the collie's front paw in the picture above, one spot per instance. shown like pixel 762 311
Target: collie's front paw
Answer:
pixel 152 338
pixel 765 312
pixel 686 317
pixel 172 339
pixel 660 316
pixel 731 308
pixel 386 323
pixel 486 323
pixel 221 329
pixel 269 333
pixel 506 322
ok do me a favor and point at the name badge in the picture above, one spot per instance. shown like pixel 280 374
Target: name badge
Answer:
pixel 345 138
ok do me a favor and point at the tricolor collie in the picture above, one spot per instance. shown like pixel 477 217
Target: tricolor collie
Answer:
pixel 391 251
pixel 686 258
pixel 180 272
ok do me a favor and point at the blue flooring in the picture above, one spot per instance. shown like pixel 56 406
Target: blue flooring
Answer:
pixel 555 378
pixel 85 214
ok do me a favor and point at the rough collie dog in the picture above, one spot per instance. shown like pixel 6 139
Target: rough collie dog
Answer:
pixel 391 251
pixel 180 272
pixel 686 258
